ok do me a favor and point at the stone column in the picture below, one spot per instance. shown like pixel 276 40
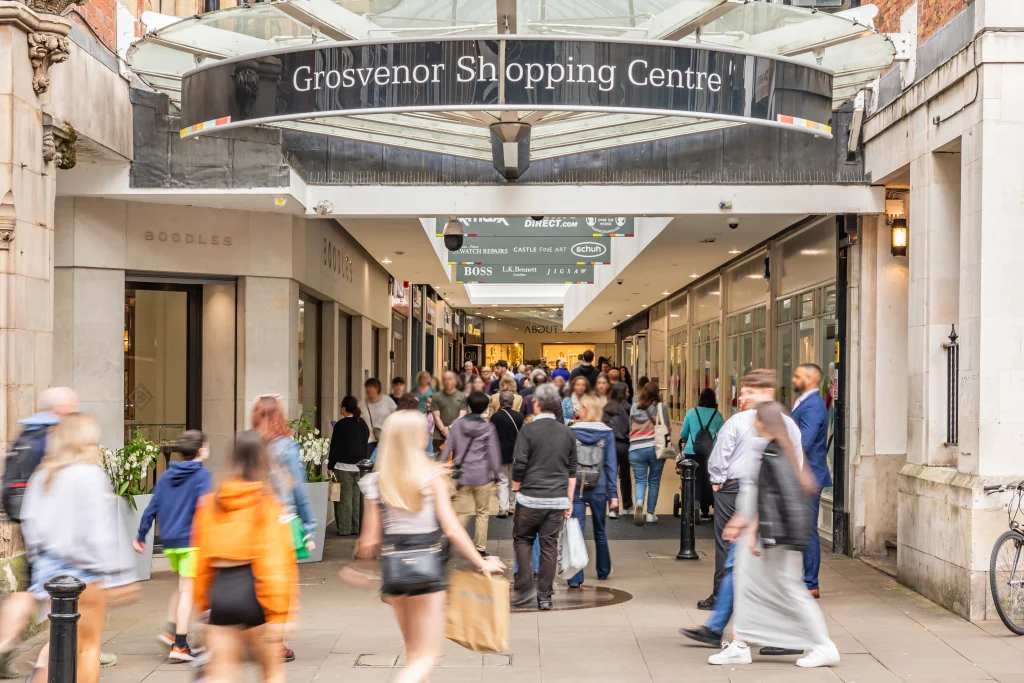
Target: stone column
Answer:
pixel 331 392
pixel 219 371
pixel 268 342
pixel 30 42
pixel 362 352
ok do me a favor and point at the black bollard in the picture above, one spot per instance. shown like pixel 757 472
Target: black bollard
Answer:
pixel 64 591
pixel 365 467
pixel 686 521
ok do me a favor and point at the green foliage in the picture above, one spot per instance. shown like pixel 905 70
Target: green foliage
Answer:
pixel 128 467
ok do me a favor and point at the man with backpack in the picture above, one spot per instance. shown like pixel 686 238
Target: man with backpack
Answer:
pixel 22 460
pixel 596 480
pixel 699 432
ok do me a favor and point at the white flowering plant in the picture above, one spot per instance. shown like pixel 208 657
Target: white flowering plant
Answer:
pixel 128 467
pixel 314 447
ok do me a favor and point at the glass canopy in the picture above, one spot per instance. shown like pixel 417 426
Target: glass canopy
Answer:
pixel 853 51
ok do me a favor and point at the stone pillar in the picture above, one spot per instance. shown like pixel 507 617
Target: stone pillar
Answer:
pixel 934 295
pixel 268 343
pixel 362 352
pixel 331 391
pixel 30 42
pixel 219 371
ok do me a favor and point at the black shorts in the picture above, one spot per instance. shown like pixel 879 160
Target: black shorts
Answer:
pixel 233 599
pixel 405 542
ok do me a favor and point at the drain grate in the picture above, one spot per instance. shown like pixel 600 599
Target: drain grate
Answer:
pixel 661 556
pixel 313 582
pixel 461 660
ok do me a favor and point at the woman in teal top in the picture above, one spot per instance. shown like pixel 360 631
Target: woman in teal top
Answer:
pixel 705 415
pixel 424 390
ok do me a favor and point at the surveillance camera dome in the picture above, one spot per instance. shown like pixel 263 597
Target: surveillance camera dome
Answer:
pixel 453 235
pixel 734 222
pixel 537 218
pixel 618 282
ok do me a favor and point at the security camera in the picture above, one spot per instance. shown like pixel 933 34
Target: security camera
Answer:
pixel 537 218
pixel 618 282
pixel 734 222
pixel 323 208
pixel 453 235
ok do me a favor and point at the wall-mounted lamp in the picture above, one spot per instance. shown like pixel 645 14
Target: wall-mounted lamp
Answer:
pixel 899 236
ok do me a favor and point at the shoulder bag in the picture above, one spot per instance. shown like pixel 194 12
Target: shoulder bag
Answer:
pixel 374 430
pixel 663 446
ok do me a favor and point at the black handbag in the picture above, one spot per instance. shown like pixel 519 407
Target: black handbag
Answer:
pixel 411 570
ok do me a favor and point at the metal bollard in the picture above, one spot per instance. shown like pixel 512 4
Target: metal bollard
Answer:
pixel 64 591
pixel 686 521
pixel 365 467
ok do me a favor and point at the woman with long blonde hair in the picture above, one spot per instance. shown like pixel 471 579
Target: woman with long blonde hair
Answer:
pixel 408 507
pixel 84 544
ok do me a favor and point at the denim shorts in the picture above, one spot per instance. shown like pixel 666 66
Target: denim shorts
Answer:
pixel 46 567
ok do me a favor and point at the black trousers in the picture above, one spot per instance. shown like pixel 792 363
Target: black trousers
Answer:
pixel 528 524
pixel 705 494
pixel 725 508
pixel 625 480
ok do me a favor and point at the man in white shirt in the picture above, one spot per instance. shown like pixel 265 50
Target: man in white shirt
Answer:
pixel 737 446
pixel 375 409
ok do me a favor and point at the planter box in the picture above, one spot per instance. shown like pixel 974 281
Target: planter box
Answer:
pixel 318 495
pixel 128 523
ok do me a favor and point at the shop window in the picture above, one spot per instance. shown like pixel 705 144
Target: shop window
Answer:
pixel 677 354
pixel 309 359
pixel 570 353
pixel 745 348
pixel 705 359
pixel 513 353
pixel 398 348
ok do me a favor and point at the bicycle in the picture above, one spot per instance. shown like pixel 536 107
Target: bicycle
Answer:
pixel 1006 567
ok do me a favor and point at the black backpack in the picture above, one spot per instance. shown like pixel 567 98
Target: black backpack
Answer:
pixel 589 461
pixel 22 461
pixel 703 442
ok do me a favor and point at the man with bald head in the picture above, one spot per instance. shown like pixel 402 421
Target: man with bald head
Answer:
pixel 811 416
pixel 29 449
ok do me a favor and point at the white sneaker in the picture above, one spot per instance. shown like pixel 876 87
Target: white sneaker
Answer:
pixel 732 653
pixel 614 514
pixel 826 655
pixel 651 519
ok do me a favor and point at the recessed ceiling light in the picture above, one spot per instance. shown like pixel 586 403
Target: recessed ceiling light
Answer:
pixel 491 317
pixel 385 260
pixel 665 293
pixel 694 275
pixel 506 310
pixel 734 251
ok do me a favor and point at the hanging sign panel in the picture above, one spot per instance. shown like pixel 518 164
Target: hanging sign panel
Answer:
pixel 533 251
pixel 520 274
pixel 511 73
pixel 525 226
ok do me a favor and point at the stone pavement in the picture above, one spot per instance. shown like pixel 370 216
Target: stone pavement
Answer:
pixel 885 632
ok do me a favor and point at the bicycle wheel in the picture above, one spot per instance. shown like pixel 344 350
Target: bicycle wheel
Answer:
pixel 1006 577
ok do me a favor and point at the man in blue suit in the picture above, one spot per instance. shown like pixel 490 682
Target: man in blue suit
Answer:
pixel 811 415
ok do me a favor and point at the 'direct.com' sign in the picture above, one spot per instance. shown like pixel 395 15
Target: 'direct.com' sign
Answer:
pixel 520 274
pixel 533 251
pixel 525 226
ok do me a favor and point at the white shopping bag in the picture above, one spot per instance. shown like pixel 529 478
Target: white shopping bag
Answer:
pixel 572 550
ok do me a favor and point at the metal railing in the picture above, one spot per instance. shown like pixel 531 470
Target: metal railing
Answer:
pixel 952 388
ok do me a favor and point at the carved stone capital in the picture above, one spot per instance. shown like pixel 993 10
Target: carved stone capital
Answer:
pixel 57 7
pixel 59 143
pixel 6 233
pixel 28 20
pixel 45 49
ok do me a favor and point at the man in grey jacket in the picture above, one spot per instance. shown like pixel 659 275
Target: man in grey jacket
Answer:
pixel 476 452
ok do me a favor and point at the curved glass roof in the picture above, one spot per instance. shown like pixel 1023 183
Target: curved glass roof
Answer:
pixel 855 52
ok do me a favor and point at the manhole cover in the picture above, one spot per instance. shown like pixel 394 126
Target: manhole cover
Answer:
pixel 566 598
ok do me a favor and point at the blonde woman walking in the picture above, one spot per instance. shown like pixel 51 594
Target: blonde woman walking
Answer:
pixel 408 509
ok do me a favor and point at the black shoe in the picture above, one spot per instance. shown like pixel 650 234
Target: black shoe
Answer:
pixel 524 598
pixel 708 603
pixel 703 635
pixel 484 553
pixel 544 605
pixel 779 651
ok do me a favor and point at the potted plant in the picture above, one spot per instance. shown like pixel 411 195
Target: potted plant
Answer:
pixel 314 457
pixel 128 469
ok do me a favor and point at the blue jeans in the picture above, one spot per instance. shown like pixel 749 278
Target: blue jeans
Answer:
pixel 598 503
pixel 536 558
pixel 647 472
pixel 719 619
pixel 812 553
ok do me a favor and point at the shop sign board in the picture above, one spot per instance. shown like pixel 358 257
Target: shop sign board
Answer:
pixel 569 274
pixel 532 251
pixel 525 226
pixel 511 73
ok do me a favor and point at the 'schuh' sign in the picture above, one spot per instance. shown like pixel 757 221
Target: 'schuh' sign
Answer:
pixel 525 226
pixel 533 251
pixel 522 274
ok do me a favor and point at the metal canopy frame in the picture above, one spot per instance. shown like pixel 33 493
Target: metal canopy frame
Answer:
pixel 854 51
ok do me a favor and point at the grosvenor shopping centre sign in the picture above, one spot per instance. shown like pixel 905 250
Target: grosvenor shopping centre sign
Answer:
pixel 507 74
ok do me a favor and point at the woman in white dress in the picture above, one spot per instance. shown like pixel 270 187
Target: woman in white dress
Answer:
pixel 772 604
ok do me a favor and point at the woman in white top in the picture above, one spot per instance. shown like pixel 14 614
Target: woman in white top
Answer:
pixel 408 507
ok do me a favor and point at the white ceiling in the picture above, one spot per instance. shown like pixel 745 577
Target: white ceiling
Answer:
pixel 667 263
pixel 413 252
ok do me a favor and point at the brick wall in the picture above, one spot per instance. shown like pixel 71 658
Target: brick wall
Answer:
pixel 101 16
pixel 931 14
